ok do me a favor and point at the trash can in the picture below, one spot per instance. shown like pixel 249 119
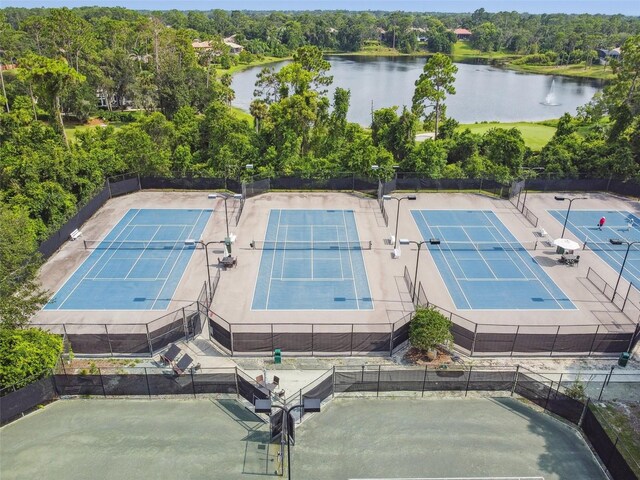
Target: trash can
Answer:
pixel 624 358
pixel 277 356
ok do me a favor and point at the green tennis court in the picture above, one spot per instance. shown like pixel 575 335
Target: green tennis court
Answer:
pixel 351 438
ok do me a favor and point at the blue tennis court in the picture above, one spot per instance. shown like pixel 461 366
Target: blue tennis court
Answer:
pixel 137 265
pixel 312 260
pixel 619 224
pixel 484 266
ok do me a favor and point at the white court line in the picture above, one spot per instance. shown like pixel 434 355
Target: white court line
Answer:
pixel 495 277
pixel 175 262
pixel 544 286
pixel 509 257
pixel 84 277
pixel 183 236
pixel 126 277
pixel 355 287
pixel 444 256
pixel 273 260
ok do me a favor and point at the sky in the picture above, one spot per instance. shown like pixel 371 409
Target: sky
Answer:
pixel 626 7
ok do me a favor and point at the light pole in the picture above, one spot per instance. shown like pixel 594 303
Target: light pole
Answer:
pixel 398 199
pixel 562 199
pixel 309 405
pixel 619 241
pixel 190 241
pixel 405 241
pixel 226 197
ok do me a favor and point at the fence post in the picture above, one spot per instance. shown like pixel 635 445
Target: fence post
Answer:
pixel 466 390
pixel 109 187
pixel 635 335
pixel 333 382
pixel 584 412
pixel 311 340
pixel 593 341
pixel 146 377
pixel 473 343
pixel 515 338
pixel 106 330
pixel 393 330
pixel 236 378
pixel 515 380
pixel 193 383
pixel 554 341
pixel 424 380
pixel 149 339
pixel 351 347
pixel 378 387
pixel 272 345
pixel 606 382
pixel 546 402
pixel 231 337
pixel 184 325
pixel 104 392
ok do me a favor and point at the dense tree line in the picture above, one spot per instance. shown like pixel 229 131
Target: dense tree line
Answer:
pixel 183 124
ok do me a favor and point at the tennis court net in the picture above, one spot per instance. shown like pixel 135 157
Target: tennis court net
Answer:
pixel 608 246
pixel 136 245
pixel 486 246
pixel 310 245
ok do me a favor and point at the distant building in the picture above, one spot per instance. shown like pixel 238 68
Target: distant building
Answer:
pixel 382 34
pixel 421 33
pixel 234 48
pixel 462 33
pixel 605 55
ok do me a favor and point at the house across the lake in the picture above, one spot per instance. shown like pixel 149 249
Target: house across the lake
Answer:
pixel 234 48
pixel 462 33
pixel 605 55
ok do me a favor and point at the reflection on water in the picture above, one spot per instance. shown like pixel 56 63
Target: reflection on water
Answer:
pixel 483 93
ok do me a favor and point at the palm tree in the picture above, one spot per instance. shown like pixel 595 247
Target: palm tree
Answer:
pixel 137 54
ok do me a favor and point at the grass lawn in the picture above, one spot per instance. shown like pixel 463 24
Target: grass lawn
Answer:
pixel 72 130
pixel 536 135
pixel 242 115
pixel 245 66
pixel 595 71
pixel 462 51
pixel 623 419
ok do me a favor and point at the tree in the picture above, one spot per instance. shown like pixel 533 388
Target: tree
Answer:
pixel 20 294
pixel 25 354
pixel 433 85
pixel 429 329
pixel 50 77
pixel 504 147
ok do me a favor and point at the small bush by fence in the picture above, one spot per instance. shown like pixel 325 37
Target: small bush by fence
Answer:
pixel 544 340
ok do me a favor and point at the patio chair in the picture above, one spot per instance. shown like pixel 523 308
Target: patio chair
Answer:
pixel 183 364
pixel 171 354
pixel 276 381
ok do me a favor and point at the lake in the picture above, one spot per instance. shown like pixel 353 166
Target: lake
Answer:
pixel 483 93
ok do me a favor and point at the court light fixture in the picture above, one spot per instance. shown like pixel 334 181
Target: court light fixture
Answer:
pixel 225 197
pixel 620 241
pixel 571 199
pixel 308 405
pixel 398 199
pixel 406 241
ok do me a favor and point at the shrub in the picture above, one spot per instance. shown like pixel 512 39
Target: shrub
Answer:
pixel 429 328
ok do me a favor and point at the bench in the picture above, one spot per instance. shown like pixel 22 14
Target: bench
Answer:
pixel 75 234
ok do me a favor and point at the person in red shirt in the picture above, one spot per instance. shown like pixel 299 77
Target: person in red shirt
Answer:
pixel 601 223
